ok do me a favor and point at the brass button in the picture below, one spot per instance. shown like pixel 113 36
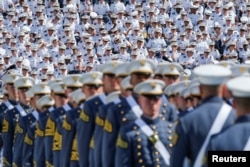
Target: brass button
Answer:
pixel 124 119
pixel 139 146
pixel 165 104
pixel 156 153
pixel 170 145
pixel 135 127
pixel 96 102
pixel 169 131
pixel 119 105
pixel 153 127
pixel 163 118
pixel 157 166
pixel 164 111
pixel 137 133
pixel 139 140
pixel 122 112
pixel 140 161
pixel 170 125
pixel 157 159
pixel 29 117
pixel 139 154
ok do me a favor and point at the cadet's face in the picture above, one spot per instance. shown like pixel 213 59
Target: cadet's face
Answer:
pixel 171 100
pixel 22 94
pixel 158 77
pixel 89 90
pixel 150 106
pixel 32 103
pixel 181 104
pixel 138 78
pixel 195 101
pixel 169 79
pixel 59 100
pixel 139 43
pixel 37 97
pixel 24 72
pixel 70 90
pixel 11 91
pixel 108 82
pixel 189 54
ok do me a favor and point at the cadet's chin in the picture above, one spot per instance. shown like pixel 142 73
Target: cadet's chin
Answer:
pixel 154 113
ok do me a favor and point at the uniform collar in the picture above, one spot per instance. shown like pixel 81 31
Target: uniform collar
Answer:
pixel 149 120
pixel 244 118
pixel 12 102
pixel 211 98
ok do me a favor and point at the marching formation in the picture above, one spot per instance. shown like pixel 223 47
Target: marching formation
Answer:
pixel 123 83
pixel 126 114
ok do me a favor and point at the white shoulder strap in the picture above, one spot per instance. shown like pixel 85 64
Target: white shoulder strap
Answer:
pixel 81 106
pixel 21 110
pixel 247 146
pixel 102 98
pixel 116 101
pixel 8 105
pixel 159 145
pixel 35 114
pixel 134 106
pixel 51 109
pixel 215 128
pixel 66 107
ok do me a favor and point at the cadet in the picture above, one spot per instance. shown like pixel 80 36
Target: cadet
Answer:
pixel 11 101
pixel 171 73
pixel 9 119
pixel 49 131
pixel 110 85
pixel 147 140
pixel 92 86
pixel 193 129
pixel 120 114
pixel 195 92
pixel 39 142
pixel 69 152
pixel 181 101
pixel 28 147
pixel 236 137
pixel 85 137
pixel 8 81
pixel 22 118
pixel 71 84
